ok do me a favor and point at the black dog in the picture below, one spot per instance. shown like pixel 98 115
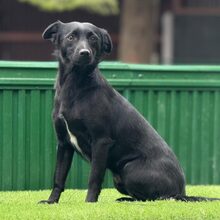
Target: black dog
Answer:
pixel 93 119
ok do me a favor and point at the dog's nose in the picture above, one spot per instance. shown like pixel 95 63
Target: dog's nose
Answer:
pixel 84 52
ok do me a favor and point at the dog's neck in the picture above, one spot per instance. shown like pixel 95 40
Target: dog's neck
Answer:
pixel 81 76
pixel 73 82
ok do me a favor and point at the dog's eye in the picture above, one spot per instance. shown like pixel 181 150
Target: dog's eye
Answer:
pixel 93 38
pixel 72 37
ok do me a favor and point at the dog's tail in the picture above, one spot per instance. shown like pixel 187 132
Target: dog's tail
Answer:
pixel 192 198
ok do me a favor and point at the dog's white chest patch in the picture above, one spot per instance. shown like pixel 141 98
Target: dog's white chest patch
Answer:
pixel 72 137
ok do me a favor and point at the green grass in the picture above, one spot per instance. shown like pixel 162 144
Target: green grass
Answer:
pixel 23 205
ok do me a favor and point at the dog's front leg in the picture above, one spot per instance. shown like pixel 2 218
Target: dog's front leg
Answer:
pixel 64 160
pixel 100 151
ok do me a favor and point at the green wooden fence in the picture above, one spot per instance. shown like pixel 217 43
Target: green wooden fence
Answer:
pixel 181 102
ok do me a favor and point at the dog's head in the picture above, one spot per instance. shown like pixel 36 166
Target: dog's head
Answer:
pixel 78 43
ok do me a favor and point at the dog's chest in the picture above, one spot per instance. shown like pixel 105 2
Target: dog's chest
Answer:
pixel 77 142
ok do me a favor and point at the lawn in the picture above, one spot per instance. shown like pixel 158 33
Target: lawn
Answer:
pixel 23 205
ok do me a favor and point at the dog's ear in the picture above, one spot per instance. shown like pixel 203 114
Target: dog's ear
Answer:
pixel 107 42
pixel 51 32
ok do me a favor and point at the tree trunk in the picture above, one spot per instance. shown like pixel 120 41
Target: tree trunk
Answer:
pixel 139 21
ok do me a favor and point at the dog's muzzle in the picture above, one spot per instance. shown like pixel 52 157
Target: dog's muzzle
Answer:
pixel 84 56
pixel 84 53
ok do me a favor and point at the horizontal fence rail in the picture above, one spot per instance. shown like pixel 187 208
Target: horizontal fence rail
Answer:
pixel 181 102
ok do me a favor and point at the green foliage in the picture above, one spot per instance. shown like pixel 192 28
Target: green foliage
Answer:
pixel 23 205
pixel 104 7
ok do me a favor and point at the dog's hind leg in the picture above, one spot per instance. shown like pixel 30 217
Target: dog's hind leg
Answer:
pixel 144 181
pixel 121 188
pixel 119 185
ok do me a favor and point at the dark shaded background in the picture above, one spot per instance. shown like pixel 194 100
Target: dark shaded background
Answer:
pixel 194 40
pixel 21 26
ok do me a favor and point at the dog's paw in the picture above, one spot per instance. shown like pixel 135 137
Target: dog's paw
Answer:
pixel 126 199
pixel 89 200
pixel 50 202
